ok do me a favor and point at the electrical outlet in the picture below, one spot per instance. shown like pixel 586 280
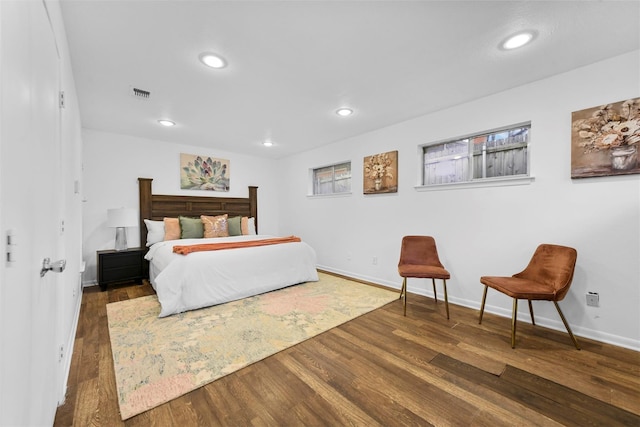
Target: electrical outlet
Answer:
pixel 61 353
pixel 374 261
pixel 593 299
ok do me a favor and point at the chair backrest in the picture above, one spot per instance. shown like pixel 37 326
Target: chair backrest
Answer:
pixel 419 250
pixel 552 265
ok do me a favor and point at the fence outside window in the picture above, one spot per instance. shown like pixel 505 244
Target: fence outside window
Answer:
pixel 499 153
pixel 332 179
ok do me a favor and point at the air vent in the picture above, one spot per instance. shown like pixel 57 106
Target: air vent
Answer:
pixel 140 93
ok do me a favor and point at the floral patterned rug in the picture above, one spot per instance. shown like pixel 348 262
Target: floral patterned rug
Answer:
pixel 159 359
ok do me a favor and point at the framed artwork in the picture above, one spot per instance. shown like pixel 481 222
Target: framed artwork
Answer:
pixel 381 173
pixel 203 173
pixel 605 139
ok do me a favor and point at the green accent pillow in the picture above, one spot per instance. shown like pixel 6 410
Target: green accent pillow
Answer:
pixel 191 228
pixel 234 226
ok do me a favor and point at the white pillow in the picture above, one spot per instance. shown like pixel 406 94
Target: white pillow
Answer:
pixel 252 226
pixel 155 231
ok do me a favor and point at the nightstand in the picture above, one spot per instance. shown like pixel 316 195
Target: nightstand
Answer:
pixel 121 266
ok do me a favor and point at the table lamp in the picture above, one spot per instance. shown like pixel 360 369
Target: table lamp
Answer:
pixel 121 218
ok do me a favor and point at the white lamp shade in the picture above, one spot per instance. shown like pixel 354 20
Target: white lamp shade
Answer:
pixel 122 217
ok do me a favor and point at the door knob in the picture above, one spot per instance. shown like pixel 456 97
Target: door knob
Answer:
pixel 57 266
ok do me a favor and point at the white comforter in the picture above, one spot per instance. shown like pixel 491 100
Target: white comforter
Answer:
pixel 201 279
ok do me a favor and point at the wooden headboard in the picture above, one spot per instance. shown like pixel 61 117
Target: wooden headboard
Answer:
pixel 158 206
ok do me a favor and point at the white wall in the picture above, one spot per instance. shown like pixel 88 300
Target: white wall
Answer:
pixel 113 163
pixel 490 231
pixel 70 295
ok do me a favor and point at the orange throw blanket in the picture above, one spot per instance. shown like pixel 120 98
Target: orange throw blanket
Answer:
pixel 187 249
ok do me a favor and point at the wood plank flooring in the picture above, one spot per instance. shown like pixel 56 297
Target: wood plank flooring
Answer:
pixel 381 369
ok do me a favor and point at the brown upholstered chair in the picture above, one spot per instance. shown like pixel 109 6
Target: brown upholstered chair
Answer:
pixel 547 277
pixel 419 258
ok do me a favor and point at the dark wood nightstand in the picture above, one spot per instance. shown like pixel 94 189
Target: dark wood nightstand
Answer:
pixel 121 266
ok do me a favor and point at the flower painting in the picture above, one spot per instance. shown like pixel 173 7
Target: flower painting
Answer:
pixel 605 140
pixel 381 173
pixel 203 173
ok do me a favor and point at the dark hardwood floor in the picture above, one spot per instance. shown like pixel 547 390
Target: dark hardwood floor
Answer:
pixel 381 369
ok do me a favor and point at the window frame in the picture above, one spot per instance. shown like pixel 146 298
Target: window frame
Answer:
pixel 312 180
pixel 471 182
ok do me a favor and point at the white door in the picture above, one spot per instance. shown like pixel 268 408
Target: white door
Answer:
pixel 30 211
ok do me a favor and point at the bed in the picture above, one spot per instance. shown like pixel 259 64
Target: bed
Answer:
pixel 205 278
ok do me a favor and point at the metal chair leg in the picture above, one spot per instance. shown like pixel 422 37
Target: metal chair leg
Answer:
pixel 404 292
pixel 533 321
pixel 484 298
pixel 566 325
pixel 435 295
pixel 514 319
pixel 446 298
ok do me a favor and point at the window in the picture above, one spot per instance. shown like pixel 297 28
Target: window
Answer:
pixel 332 179
pixel 499 153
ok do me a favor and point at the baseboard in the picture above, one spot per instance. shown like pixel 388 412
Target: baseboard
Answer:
pixel 68 356
pixel 359 277
pixel 554 324
pixel 89 283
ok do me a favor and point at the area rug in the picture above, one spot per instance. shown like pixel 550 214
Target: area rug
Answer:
pixel 159 359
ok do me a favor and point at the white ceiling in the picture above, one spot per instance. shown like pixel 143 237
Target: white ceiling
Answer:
pixel 293 63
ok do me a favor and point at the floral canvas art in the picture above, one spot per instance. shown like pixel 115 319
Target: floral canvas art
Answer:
pixel 203 173
pixel 605 139
pixel 381 173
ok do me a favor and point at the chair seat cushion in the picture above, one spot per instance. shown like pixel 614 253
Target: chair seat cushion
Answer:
pixel 520 288
pixel 423 271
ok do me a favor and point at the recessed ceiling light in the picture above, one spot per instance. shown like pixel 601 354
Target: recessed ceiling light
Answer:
pixel 267 143
pixel 517 40
pixel 212 60
pixel 344 112
pixel 167 123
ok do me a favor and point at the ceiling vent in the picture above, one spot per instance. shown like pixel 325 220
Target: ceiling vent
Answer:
pixel 139 93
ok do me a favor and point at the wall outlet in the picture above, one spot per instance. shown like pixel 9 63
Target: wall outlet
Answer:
pixel 593 299
pixel 374 261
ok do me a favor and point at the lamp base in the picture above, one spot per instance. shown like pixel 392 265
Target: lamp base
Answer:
pixel 121 239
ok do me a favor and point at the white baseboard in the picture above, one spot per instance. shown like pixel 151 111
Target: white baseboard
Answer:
pixel 69 353
pixel 375 280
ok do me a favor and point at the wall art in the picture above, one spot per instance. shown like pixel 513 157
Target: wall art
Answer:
pixel 605 139
pixel 381 173
pixel 203 173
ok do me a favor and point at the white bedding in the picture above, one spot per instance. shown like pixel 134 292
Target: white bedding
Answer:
pixel 201 279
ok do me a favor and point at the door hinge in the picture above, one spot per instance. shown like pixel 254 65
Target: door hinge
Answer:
pixel 61 98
